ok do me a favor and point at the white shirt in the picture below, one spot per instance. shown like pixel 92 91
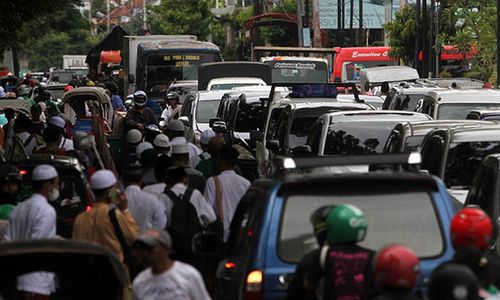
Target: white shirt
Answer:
pixel 180 282
pixel 168 113
pixel 24 136
pixel 194 152
pixel 67 144
pixel 155 189
pixel 145 209
pixel 233 188
pixel 33 218
pixel 204 210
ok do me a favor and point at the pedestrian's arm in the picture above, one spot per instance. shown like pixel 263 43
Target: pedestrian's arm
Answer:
pixel 206 213
pixel 159 217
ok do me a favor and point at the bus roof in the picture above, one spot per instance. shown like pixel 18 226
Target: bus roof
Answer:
pixel 179 46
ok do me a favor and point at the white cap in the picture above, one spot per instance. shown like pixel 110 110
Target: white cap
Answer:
pixel 180 148
pixel 134 136
pixel 161 141
pixel 44 172
pixel 142 147
pixel 206 135
pixel 175 125
pixel 102 179
pixel 58 122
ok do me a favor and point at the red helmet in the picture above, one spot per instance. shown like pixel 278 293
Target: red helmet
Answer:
pixel 471 227
pixel 68 88
pixel 396 267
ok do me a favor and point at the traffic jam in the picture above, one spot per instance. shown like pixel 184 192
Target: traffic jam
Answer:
pixel 172 174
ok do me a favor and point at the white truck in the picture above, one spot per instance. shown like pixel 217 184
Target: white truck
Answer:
pixel 74 62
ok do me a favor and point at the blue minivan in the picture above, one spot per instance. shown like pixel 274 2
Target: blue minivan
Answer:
pixel 271 231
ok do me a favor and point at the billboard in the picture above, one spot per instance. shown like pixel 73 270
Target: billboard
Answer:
pixel 373 14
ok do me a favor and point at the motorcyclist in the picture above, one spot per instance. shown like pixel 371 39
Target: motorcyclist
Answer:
pixel 347 266
pixel 172 110
pixel 396 271
pixel 308 273
pixel 453 282
pixel 140 116
pixel 10 181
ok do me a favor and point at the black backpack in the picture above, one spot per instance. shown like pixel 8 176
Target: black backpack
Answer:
pixel 184 223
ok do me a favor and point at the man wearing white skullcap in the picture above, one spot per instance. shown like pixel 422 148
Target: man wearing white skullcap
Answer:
pixel 175 132
pixel 205 138
pixel 95 226
pixel 162 144
pixel 35 218
pixel 141 148
pixel 59 123
pixel 180 157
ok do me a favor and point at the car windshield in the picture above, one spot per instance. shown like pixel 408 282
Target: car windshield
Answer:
pixel 205 110
pixel 228 86
pixel 459 111
pixel 413 143
pixel 464 160
pixel 62 77
pixel 298 71
pixel 391 216
pixel 357 138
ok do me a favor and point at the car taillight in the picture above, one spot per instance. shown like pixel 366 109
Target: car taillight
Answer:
pixel 88 208
pixel 23 172
pixel 253 287
pixel 229 265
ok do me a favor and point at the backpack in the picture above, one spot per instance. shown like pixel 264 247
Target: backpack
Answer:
pixel 184 223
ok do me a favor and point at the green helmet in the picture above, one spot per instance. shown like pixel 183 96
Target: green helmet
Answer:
pixel 5 211
pixel 346 224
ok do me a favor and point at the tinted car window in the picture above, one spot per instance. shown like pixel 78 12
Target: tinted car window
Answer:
pixel 205 110
pixel 248 117
pixel 433 156
pixel 413 143
pixel 357 138
pixel 460 111
pixel 464 160
pixel 391 216
pixel 407 102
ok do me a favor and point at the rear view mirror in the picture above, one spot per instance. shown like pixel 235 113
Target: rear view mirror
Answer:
pixel 131 78
pixel 219 127
pixel 206 243
pixel 256 136
pixel 212 121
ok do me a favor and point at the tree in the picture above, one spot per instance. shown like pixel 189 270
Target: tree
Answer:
pixel 402 34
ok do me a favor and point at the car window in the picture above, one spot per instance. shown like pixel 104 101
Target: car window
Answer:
pixel 206 110
pixel 186 107
pixel 391 216
pixel 314 139
pixel 482 191
pixel 273 122
pixel 248 117
pixel 407 102
pixel 464 159
pixel 460 111
pixel 433 156
pixel 413 143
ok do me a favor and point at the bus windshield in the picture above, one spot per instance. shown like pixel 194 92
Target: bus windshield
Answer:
pixel 298 71
pixel 163 68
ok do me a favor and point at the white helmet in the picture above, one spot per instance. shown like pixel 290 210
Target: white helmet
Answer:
pixel 140 98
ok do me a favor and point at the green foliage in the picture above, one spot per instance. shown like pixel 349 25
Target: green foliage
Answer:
pixel 98 5
pixel 182 17
pixel 402 34
pixel 280 35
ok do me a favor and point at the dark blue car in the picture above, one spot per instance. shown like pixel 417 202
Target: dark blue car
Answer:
pixel 271 231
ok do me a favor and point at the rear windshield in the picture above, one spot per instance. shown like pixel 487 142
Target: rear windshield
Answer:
pixel 460 111
pixel 205 110
pixel 392 218
pixel 357 138
pixel 464 160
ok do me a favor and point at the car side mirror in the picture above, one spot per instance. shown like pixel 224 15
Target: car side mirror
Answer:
pixel 420 103
pixel 256 136
pixel 219 127
pixel 212 121
pixel 302 150
pixel 206 244
pixel 185 121
pixel 131 78
pixel 273 145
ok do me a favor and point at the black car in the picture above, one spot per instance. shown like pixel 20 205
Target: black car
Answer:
pixel 75 195
pixel 454 154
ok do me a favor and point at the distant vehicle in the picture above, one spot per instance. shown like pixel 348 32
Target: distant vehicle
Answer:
pixel 197 110
pixel 182 87
pixel 372 78
pixel 295 69
pixel 456 83
pixel 408 136
pixel 454 154
pixel 62 76
pixel 74 62
pixel 349 62
pixel 75 195
pixel 486 115
pixel 271 231
pixel 97 268
pixel 356 132
pixel 457 104
pixel 227 75
pixel 406 96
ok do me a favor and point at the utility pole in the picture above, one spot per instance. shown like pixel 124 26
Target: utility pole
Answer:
pixel 316 24
pixel 300 25
pixel 108 15
pixel 144 15
pixel 498 43
pixel 361 30
pixel 351 22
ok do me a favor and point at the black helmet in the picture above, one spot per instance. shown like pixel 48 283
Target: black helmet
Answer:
pixel 9 173
pixel 318 221
pixel 453 282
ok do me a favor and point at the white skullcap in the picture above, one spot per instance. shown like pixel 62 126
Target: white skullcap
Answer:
pixel 161 141
pixel 43 173
pixel 180 149
pixel 102 179
pixel 134 136
pixel 175 125
pixel 142 147
pixel 58 122
pixel 206 135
